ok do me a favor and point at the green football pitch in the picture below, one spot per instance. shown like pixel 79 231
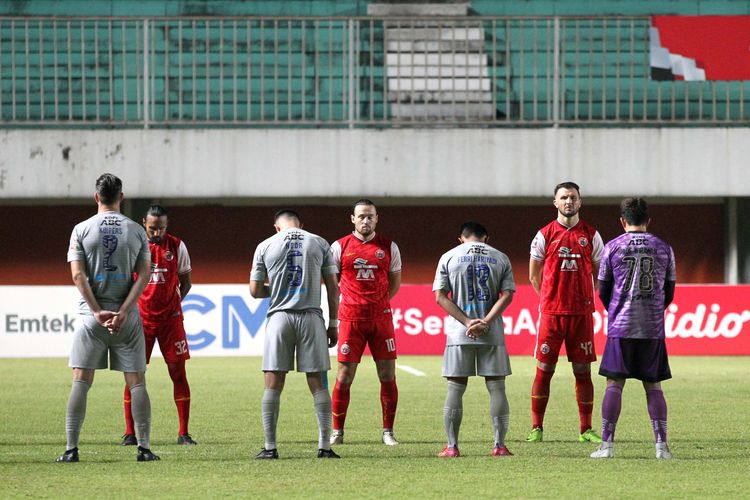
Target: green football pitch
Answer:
pixel 709 413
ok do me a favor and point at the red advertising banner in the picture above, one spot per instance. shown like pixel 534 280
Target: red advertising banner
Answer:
pixel 703 320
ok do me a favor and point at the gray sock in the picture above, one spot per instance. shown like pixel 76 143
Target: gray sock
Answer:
pixel 269 407
pixel 76 412
pixel 322 400
pixel 453 411
pixel 141 407
pixel 499 409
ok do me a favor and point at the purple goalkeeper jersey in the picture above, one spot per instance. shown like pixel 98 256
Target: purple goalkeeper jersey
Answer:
pixel 638 264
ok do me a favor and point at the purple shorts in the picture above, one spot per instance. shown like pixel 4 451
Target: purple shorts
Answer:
pixel 642 359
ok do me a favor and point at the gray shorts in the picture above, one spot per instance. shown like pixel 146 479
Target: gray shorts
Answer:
pixel 300 331
pixel 481 359
pixel 92 342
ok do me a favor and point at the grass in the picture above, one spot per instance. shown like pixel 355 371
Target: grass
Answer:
pixel 709 408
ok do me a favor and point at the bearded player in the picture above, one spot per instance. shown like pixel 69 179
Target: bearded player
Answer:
pixel 563 266
pixel 370 268
pixel 161 312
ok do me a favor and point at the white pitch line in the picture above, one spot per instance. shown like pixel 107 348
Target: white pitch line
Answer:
pixel 413 371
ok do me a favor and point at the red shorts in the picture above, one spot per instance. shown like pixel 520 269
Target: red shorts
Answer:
pixel 378 335
pixel 577 331
pixel 172 341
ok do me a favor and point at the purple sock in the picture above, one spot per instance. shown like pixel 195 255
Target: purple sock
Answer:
pixel 611 404
pixel 657 410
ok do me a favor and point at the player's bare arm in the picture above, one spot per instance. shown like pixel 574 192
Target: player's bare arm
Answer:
pixel 506 297
pixel 595 274
pixel 185 284
pixel 394 283
pixel 144 274
pixel 259 289
pixel 80 279
pixel 332 294
pixel 474 327
pixel 535 274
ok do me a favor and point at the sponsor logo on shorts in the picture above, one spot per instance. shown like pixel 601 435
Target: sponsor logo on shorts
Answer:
pixel 544 349
pixel 380 254
pixel 345 349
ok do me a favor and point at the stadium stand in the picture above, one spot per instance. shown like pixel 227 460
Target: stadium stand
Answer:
pixel 363 69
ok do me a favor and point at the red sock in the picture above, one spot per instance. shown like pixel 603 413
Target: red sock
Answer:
pixel 181 393
pixel 339 404
pixel 540 396
pixel 389 402
pixel 585 399
pixel 129 425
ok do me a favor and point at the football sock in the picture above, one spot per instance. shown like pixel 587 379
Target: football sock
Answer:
pixel 322 401
pixel 453 411
pixel 129 429
pixel 181 393
pixel 611 404
pixel 540 396
pixel 499 409
pixel 388 402
pixel 76 412
pixel 657 410
pixel 339 404
pixel 141 414
pixel 270 412
pixel 585 399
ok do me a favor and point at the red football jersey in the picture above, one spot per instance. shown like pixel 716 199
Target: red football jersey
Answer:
pixel 567 278
pixel 161 298
pixel 364 268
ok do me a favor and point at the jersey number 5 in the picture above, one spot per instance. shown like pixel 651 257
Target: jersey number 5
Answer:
pixel 293 271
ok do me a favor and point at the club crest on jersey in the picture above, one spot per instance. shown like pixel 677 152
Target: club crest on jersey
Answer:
pixel 544 348
pixel 169 255
pixel 345 349
pixel 583 241
pixel 379 253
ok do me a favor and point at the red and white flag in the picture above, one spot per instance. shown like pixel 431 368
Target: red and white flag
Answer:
pixel 695 48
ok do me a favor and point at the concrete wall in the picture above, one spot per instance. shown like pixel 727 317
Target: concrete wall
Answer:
pixel 491 164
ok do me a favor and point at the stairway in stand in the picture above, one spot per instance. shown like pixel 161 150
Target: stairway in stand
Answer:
pixel 436 67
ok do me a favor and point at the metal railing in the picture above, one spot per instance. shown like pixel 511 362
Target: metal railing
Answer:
pixel 346 72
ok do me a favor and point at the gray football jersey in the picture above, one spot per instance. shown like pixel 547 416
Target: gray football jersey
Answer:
pixel 111 245
pixel 294 261
pixel 475 274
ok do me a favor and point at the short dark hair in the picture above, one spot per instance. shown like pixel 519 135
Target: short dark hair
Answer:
pixel 567 185
pixel 285 212
pixel 634 211
pixel 363 201
pixel 108 187
pixel 472 228
pixel 156 210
